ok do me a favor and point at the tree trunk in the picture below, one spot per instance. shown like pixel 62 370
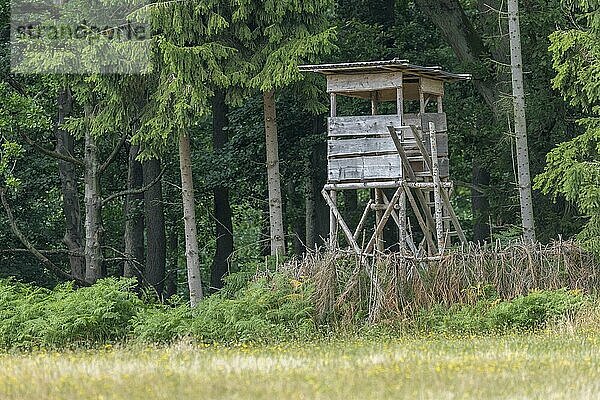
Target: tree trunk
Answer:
pixel 351 206
pixel 452 21
pixel 189 219
pixel 93 208
pixel 173 263
pixel 516 62
pixel 468 45
pixel 294 211
pixel 67 171
pixel 480 205
pixel 223 215
pixel 134 219
pixel 273 178
pixel 317 210
pixel 154 217
pixel 310 215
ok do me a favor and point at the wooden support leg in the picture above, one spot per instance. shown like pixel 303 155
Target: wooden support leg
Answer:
pixel 386 215
pixel 340 221
pixel 332 220
pixel 437 196
pixel 402 221
pixel 378 217
pixel 363 220
pixel 445 195
pixel 420 219
pixel 453 217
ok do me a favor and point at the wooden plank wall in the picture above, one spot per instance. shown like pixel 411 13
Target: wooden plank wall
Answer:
pixel 361 150
pixel 341 83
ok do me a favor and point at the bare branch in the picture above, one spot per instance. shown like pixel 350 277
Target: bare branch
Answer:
pixel 16 85
pixel 54 251
pixel 51 153
pixel 114 154
pixel 45 261
pixel 134 191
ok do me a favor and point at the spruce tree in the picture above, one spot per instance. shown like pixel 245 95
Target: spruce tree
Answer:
pixel 573 167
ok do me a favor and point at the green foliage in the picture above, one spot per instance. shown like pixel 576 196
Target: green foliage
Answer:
pixel 162 324
pixel 530 312
pixel 272 308
pixel 535 309
pixel 34 317
pixel 573 168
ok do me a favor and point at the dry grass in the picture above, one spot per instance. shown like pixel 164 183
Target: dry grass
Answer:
pixel 546 366
pixel 392 286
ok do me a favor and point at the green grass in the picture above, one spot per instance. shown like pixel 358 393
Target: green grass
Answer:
pixel 544 366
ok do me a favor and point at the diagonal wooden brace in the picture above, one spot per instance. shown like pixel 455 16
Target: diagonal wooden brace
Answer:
pixel 383 221
pixel 341 222
pixel 363 220
pixel 411 175
pixel 445 196
pixel 407 236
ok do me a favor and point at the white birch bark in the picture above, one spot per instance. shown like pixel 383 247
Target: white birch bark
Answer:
pixel 520 122
pixel 273 176
pixel 192 254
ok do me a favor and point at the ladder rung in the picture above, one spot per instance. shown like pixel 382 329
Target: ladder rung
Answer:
pixel 411 149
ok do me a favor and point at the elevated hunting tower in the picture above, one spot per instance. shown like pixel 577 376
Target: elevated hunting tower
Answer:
pixel 403 153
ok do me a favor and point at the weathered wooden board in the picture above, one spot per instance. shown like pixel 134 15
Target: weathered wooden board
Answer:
pixel 363 82
pixel 442 143
pixel 360 146
pixel 444 165
pixel 368 125
pixel 412 119
pixel 410 92
pixel 366 168
pixel 439 119
pixel 432 86
pixel 362 85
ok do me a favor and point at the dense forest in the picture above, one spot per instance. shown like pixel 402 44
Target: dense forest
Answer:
pixel 162 176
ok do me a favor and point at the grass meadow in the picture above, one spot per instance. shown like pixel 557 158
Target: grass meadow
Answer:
pixel 547 365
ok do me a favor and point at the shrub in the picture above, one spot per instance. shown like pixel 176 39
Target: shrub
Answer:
pixel 529 312
pixel 273 307
pixel 535 310
pixel 162 324
pixel 33 317
pixel 21 309
pixel 95 314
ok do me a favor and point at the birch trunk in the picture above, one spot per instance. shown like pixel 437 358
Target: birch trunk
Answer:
pixel 189 219
pixel 93 209
pixel 520 122
pixel 67 171
pixel 273 177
